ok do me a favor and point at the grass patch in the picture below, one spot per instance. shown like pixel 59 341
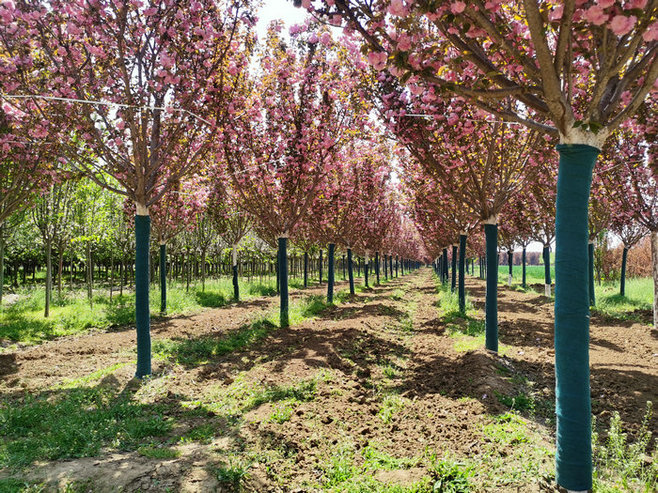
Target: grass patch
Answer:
pixel 71 314
pixel 233 474
pixel 242 396
pixel 397 295
pixel 623 466
pixel 639 296
pixel 158 452
pixel 75 423
pixel 376 459
pixel 507 429
pixel 192 352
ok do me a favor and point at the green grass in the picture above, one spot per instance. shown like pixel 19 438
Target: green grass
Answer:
pixel 534 274
pixel 391 405
pixel 623 466
pixel 343 472
pixel 24 321
pixel 242 396
pixel 639 296
pixel 75 423
pixel 193 352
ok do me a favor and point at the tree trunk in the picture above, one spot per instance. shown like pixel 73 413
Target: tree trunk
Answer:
pixel 283 281
pixel 590 272
pixel 654 263
pixel 573 406
pixel 365 270
pixel 510 263
pixel 523 273
pixel 163 278
pixel 462 273
pixel 90 274
pixel 491 297
pixel 330 279
pixel 236 285
pixel 377 268
pixel 60 271
pixel 350 270
pixel 203 271
pixel 142 312
pixel 453 285
pixel 2 260
pixel 546 254
pixel 320 267
pixel 622 284
pixel 49 277
pixel 305 269
pixel 111 275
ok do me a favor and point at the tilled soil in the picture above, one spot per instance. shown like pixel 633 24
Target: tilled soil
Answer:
pixel 392 390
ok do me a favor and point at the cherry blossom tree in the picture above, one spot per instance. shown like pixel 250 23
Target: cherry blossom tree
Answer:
pixel 150 84
pixel 299 113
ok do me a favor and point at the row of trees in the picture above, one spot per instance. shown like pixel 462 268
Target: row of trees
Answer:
pixel 164 92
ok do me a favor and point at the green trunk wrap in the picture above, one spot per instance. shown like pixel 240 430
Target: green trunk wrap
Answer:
pixel 572 391
pixel 142 315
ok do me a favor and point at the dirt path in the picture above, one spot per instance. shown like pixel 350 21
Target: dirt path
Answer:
pixel 382 387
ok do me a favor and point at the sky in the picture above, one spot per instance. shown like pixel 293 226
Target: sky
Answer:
pixel 278 9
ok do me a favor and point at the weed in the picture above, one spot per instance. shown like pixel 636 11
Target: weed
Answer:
pixel 619 464
pixel 282 412
pixel 390 406
pixel 375 459
pixel 234 474
pixel 340 467
pixel 450 477
pixel 203 433
pixel 520 402
pixel 397 295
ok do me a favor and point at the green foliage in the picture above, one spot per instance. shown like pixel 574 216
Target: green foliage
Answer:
pixel 520 402
pixel 391 405
pixel 74 423
pixel 234 474
pixel 623 466
pixel 450 477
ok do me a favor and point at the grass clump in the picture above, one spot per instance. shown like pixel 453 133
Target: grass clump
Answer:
pixel 623 466
pixel 450 477
pixel 521 402
pixel 74 423
pixel 233 474
pixel 391 405
pixel 158 452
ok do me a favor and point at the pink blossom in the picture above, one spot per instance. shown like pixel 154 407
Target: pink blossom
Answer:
pixel 377 59
pixel 556 13
pixel 621 24
pixel 604 4
pixel 306 4
pixel 457 7
pixel 635 4
pixel 651 34
pixel 397 8
pixel 313 38
pixel 595 15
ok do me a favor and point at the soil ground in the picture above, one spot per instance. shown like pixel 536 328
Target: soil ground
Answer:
pixel 376 390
